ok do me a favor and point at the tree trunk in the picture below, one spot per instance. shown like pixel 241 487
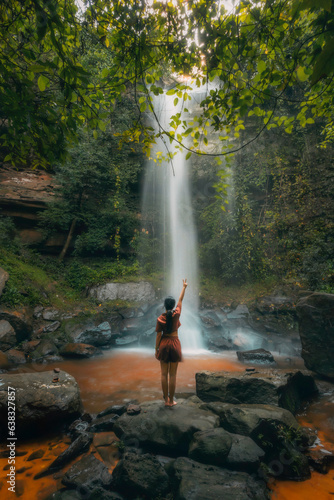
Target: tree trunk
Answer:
pixel 68 240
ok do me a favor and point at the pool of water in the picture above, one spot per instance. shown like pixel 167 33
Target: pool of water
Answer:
pixel 119 376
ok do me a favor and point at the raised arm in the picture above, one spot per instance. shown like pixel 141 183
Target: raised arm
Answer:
pixel 185 284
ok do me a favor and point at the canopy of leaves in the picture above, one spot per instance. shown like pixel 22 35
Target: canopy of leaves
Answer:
pixel 249 60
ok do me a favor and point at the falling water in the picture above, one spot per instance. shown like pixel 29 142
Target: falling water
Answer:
pixel 167 215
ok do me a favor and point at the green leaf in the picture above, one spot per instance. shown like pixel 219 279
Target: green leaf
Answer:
pixel 188 155
pixel 324 63
pixel 143 107
pixel 261 66
pixel 42 83
pixel 302 76
pixel 171 92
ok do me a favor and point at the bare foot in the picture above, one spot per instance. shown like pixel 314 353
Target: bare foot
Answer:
pixel 172 403
pixel 167 404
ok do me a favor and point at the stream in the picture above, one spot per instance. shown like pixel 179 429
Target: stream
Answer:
pixel 120 376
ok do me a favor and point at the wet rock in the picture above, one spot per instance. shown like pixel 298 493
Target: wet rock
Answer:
pixel 7 336
pixel 168 430
pixel 210 319
pixel 36 454
pixel 131 312
pixel 126 340
pixel 217 341
pixel 16 357
pixel 20 321
pixel 52 327
pixel 78 427
pixel 38 311
pixel 243 419
pixel 45 348
pixel 30 346
pixel 244 454
pixel 117 409
pixel 88 333
pixel 240 312
pixel 140 475
pixel 102 424
pixel 194 481
pixel 283 446
pixel 40 403
pixel 73 350
pixel 259 356
pixel 316 329
pixel 320 460
pixel 142 291
pixel 275 304
pixel 79 446
pixel 210 447
pixel 87 474
pixel 4 276
pixel 273 387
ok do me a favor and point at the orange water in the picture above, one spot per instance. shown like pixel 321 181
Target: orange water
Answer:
pixel 123 375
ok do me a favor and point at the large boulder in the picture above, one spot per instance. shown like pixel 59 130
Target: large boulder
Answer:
pixel 243 419
pixel 194 481
pixel 3 279
pixel 87 332
pixel 21 322
pixel 211 447
pixel 40 403
pixel 272 387
pixel 141 292
pixel 168 430
pixel 257 356
pixel 316 329
pixel 140 476
pixel 244 454
pixel 7 335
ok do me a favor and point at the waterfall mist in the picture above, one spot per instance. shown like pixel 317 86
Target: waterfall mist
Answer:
pixel 169 241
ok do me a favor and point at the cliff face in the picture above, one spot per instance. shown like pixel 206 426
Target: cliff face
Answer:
pixel 23 195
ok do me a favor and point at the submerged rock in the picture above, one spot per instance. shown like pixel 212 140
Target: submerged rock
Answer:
pixel 271 387
pixel 260 356
pixel 316 329
pixel 40 403
pixel 73 350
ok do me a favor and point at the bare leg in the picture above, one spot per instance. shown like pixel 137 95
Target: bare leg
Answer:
pixel 172 382
pixel 164 380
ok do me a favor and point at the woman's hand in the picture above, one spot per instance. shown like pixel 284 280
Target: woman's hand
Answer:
pixel 185 284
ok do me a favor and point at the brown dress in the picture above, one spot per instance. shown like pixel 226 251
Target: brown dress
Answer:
pixel 170 346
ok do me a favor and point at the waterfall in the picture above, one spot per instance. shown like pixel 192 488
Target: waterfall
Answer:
pixel 167 217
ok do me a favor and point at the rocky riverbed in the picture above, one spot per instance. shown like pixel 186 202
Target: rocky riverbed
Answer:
pixel 225 439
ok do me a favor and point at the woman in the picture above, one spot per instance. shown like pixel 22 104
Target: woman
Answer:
pixel 168 346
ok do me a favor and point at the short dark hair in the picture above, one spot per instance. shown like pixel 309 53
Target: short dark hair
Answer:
pixel 169 303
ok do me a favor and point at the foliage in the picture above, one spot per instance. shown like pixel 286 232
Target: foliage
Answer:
pixel 92 193
pixel 8 234
pixel 251 58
